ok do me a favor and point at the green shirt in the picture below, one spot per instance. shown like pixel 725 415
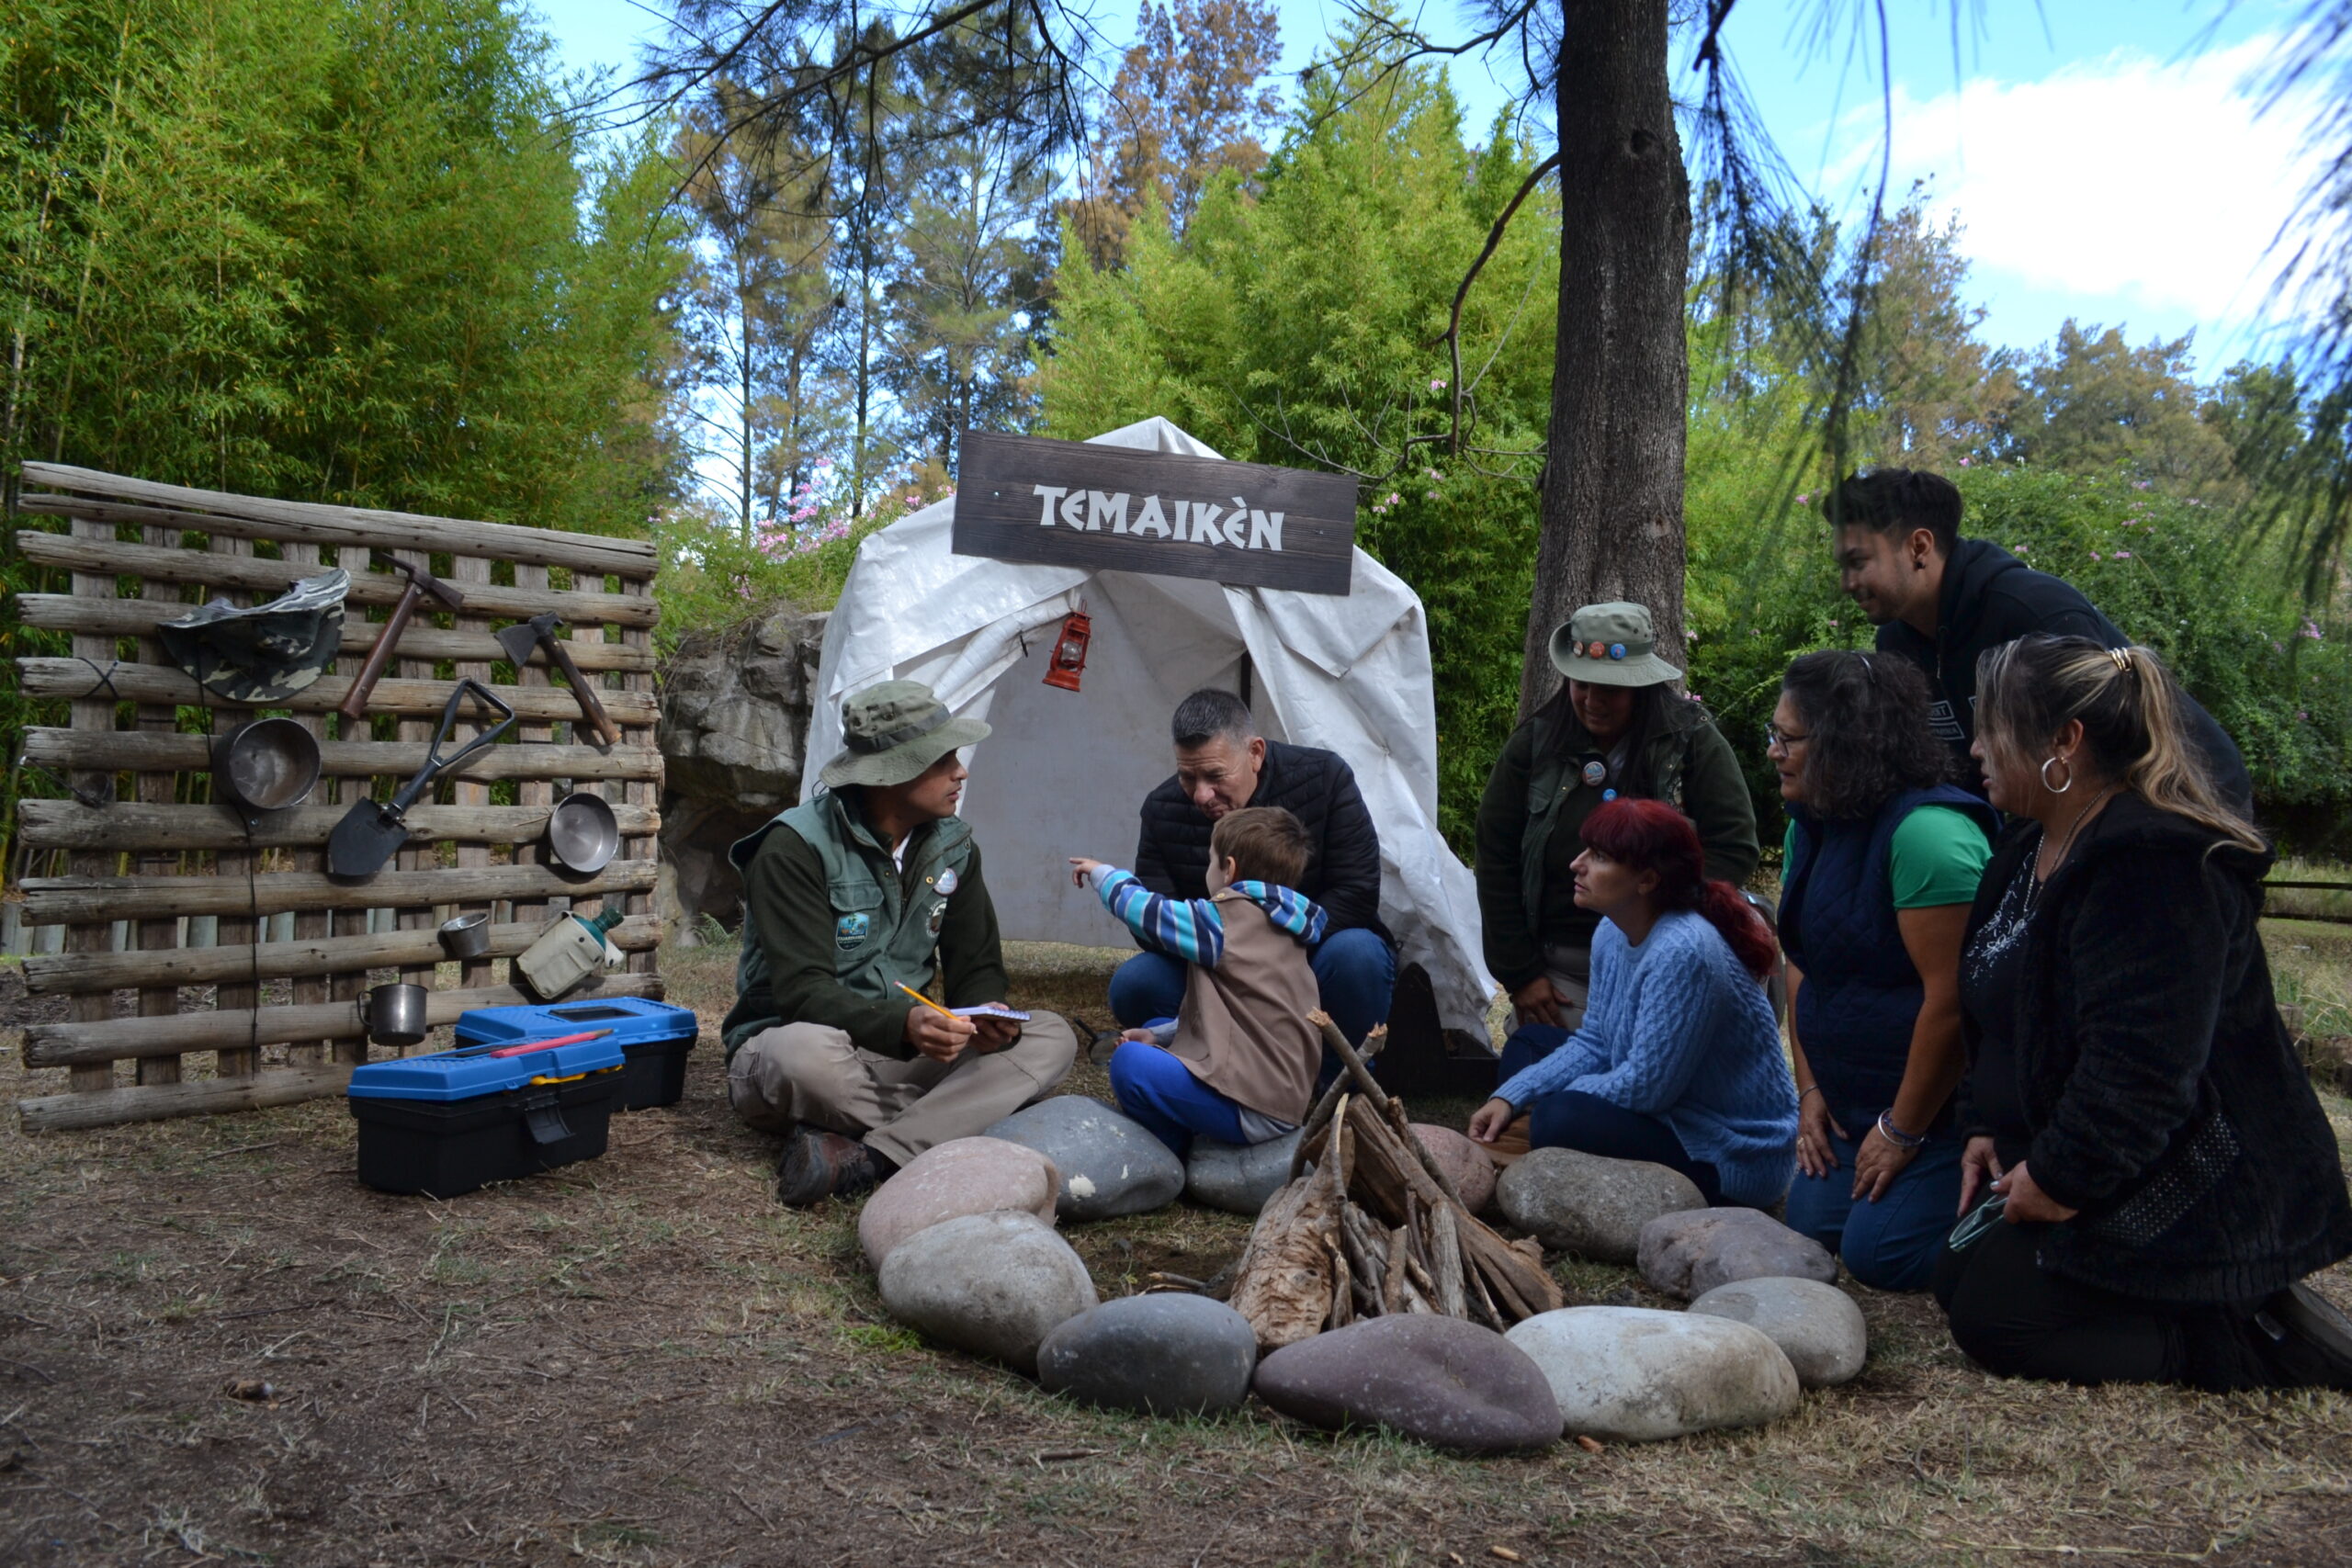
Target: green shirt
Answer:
pixel 1937 859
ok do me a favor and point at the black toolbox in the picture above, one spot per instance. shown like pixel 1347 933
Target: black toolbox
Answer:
pixel 449 1123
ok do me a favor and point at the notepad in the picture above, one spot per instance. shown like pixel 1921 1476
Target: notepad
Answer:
pixel 1003 1012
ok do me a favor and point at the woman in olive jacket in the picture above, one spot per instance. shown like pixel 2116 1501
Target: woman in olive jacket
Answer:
pixel 1616 726
pixel 2148 1175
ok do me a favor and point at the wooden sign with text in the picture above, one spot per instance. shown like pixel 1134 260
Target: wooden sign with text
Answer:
pixel 1107 508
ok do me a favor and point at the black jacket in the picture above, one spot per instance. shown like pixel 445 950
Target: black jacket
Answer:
pixel 2165 1097
pixel 1990 597
pixel 1316 786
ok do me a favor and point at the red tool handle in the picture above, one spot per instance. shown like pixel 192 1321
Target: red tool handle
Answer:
pixel 529 1045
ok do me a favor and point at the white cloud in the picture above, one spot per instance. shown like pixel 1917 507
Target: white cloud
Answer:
pixel 2136 187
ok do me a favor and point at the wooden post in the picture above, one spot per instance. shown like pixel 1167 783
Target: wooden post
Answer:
pixel 96 711
pixel 310 925
pixel 234 867
pixel 468 571
pixel 159 786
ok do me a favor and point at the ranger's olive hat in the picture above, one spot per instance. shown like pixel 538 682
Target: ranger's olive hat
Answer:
pixel 1611 645
pixel 892 732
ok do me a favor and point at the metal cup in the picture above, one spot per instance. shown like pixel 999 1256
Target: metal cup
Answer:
pixel 395 1015
pixel 467 936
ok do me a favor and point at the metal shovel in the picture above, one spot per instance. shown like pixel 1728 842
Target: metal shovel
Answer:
pixel 371 830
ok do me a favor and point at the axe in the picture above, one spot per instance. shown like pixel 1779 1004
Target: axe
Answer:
pixel 520 638
pixel 420 583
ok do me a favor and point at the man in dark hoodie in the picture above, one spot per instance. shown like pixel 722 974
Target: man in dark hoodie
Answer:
pixel 1940 601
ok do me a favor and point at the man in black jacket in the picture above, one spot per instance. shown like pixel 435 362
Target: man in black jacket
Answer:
pixel 1940 601
pixel 1224 765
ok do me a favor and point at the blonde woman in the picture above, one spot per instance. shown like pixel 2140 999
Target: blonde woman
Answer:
pixel 2147 1175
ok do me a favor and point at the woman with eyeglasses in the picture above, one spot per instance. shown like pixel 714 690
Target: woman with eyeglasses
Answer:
pixel 1614 729
pixel 2157 1175
pixel 1882 859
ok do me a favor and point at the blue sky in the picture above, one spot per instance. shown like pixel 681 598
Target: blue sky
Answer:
pixel 2105 157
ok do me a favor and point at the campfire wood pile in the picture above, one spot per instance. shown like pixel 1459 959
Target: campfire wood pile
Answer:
pixel 1376 1228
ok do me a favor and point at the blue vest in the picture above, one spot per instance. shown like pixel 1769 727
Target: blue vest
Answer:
pixel 1862 995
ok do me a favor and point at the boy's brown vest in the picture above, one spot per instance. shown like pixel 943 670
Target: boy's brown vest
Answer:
pixel 1243 1029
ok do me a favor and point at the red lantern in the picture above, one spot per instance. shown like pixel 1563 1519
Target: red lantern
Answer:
pixel 1069 661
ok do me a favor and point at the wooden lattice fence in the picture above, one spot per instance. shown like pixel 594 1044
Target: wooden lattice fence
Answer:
pixel 282 1022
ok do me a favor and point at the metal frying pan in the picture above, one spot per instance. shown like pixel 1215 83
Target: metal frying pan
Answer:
pixel 583 835
pixel 371 830
pixel 268 766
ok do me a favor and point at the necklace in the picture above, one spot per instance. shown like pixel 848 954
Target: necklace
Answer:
pixel 2065 842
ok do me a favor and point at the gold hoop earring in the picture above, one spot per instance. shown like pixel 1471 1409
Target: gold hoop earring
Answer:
pixel 2057 789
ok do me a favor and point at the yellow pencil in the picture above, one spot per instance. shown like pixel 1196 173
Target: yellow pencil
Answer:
pixel 924 1000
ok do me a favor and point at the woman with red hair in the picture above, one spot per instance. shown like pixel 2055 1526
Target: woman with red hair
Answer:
pixel 1677 1060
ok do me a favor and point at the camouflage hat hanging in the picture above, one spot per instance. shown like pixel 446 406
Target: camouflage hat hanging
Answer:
pixel 268 652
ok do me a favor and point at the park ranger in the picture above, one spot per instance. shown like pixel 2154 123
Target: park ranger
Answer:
pixel 850 900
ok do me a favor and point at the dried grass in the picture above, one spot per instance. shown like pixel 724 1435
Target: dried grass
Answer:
pixel 646 1361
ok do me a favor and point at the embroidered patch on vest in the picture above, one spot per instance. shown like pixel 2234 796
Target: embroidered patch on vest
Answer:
pixel 938 917
pixel 850 931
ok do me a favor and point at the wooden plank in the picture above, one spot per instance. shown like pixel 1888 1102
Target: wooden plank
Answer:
pixel 537 792
pixel 261 575
pixel 470 572
pixel 1024 498
pixel 46 677
pixel 317 524
pixel 156 787
pixel 93 933
pixel 135 618
pixel 237 929
pixel 120 750
pixel 310 925
pixel 57 1045
pixel 66 824
pixel 641 796
pixel 412 857
pixel 112 1106
pixel 69 973
pixel 58 900
pixel 341 789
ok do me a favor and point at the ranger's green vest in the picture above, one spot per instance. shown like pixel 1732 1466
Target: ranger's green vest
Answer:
pixel 1552 776
pixel 884 935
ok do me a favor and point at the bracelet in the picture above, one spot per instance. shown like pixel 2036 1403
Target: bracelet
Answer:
pixel 1809 1088
pixel 1896 1135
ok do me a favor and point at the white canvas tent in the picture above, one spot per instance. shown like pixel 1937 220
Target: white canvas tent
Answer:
pixel 1065 773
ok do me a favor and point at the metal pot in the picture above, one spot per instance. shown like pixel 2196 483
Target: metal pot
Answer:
pixel 467 936
pixel 581 833
pixel 268 766
pixel 395 1015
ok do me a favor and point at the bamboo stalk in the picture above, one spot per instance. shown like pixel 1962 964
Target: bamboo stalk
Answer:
pixel 257 518
pixel 59 900
pixel 74 678
pixel 65 824
pixel 127 750
pixel 259 574
pixel 66 1044
pixel 72 974
pixel 133 617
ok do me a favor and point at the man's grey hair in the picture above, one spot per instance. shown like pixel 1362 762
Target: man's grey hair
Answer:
pixel 1210 713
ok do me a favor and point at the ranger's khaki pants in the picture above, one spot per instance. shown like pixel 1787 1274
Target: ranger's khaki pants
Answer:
pixel 808 1072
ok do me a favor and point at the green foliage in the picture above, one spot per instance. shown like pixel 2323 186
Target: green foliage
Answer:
pixel 1297 326
pixel 345 250
pixel 713 577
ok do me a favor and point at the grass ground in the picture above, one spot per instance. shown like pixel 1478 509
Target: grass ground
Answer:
pixel 645 1360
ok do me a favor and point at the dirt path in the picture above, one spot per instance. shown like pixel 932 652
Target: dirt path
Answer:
pixel 645 1360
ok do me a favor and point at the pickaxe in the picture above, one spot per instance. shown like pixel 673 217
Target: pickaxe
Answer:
pixel 420 583
pixel 520 638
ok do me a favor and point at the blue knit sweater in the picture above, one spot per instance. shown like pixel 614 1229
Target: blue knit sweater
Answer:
pixel 1678 1029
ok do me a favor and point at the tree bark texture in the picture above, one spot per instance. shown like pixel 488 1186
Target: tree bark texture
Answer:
pixel 1611 502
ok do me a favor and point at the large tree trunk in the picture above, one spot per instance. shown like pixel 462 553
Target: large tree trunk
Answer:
pixel 1611 503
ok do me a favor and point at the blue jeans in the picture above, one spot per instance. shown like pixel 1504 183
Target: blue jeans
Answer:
pixel 1571 1119
pixel 1354 971
pixel 1159 1091
pixel 1893 1244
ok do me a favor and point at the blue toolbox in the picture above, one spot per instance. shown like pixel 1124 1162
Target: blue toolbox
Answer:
pixel 654 1038
pixel 457 1120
